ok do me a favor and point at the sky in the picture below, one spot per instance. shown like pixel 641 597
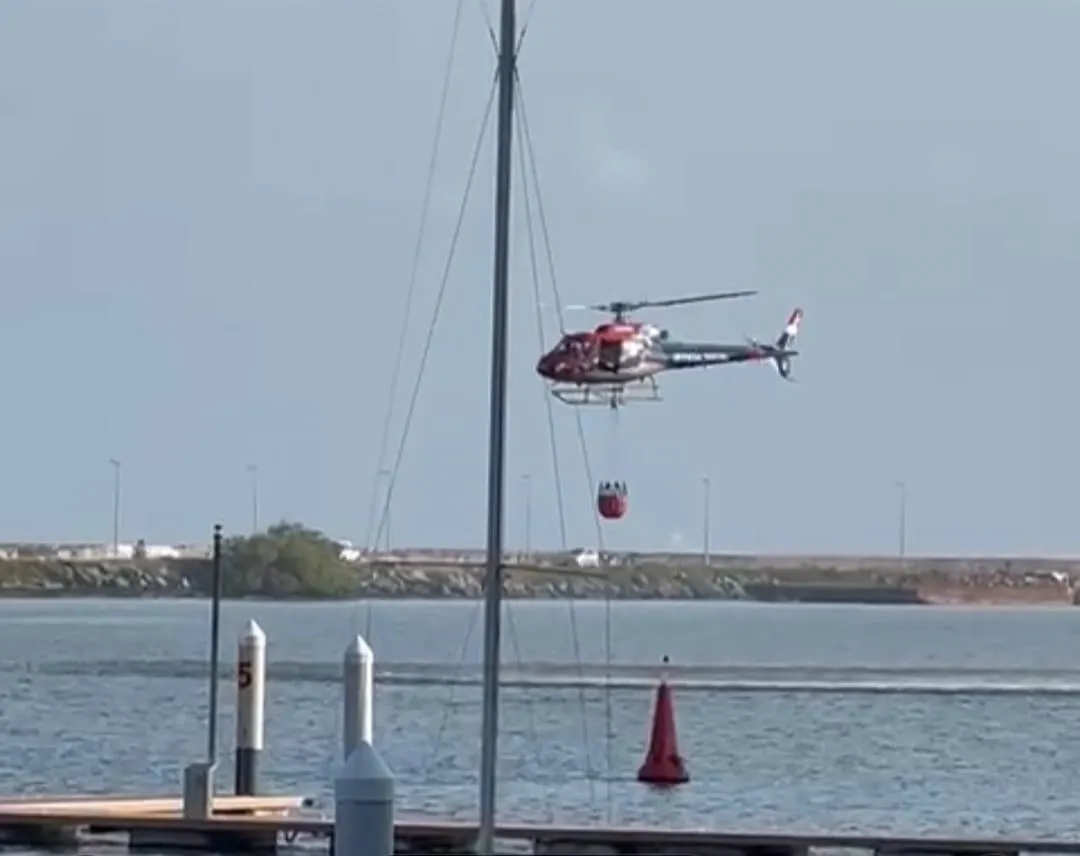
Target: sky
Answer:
pixel 208 213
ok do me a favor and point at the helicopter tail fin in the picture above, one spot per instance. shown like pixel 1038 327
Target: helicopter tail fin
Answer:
pixel 787 337
pixel 784 342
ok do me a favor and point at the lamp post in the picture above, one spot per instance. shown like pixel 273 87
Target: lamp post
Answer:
pixel 253 475
pixel 706 489
pixel 527 479
pixel 116 506
pixel 901 534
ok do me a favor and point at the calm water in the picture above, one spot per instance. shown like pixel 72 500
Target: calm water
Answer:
pixel 798 717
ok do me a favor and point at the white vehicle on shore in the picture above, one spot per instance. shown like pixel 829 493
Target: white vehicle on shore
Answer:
pixel 586 558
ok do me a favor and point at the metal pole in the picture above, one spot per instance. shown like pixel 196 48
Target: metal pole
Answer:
pixel 707 521
pixel 253 471
pixel 116 507
pixel 527 478
pixel 902 534
pixel 496 463
pixel 215 648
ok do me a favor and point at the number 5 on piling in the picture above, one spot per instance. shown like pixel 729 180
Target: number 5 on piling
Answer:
pixel 243 674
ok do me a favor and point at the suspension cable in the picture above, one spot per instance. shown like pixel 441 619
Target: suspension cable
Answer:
pixel 546 235
pixel 541 334
pixel 527 211
pixel 444 720
pixel 525 160
pixel 527 18
pixel 609 737
pixel 530 711
pixel 410 292
pixel 435 312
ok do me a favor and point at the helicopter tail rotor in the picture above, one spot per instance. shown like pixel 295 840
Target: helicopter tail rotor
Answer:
pixel 783 365
pixel 779 353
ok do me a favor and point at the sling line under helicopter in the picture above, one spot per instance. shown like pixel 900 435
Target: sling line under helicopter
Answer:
pixel 612 496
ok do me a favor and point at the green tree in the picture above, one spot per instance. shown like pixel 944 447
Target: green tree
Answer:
pixel 287 560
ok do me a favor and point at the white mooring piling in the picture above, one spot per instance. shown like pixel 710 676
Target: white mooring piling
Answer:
pixel 364 787
pixel 250 708
pixel 358 681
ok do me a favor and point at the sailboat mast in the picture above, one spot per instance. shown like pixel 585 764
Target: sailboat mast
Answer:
pixel 493 578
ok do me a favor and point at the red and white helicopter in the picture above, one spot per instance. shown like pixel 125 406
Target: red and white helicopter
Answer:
pixel 618 361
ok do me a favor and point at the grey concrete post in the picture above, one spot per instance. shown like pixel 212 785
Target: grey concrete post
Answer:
pixel 364 787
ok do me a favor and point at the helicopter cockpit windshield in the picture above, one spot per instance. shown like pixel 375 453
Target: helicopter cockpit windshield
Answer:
pixel 576 348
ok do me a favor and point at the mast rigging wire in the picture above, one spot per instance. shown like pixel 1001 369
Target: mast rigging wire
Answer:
pixel 609 737
pixel 425 209
pixel 527 155
pixel 426 352
pixel 575 637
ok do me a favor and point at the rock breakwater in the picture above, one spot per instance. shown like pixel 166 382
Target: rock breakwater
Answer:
pixel 114 578
pixel 807 583
pixel 192 578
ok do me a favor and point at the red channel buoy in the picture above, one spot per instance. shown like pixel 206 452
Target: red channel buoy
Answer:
pixel 663 766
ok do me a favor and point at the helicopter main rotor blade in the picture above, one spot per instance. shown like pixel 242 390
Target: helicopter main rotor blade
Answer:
pixel 699 298
pixel 621 307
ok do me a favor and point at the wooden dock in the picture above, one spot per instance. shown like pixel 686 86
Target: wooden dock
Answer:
pixel 266 823
pixel 58 821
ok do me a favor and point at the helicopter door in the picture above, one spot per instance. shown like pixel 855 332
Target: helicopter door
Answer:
pixel 610 356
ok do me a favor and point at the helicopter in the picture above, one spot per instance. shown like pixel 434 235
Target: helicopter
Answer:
pixel 619 361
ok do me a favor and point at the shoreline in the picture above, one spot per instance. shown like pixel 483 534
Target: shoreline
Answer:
pixel 728 579
pixel 988 600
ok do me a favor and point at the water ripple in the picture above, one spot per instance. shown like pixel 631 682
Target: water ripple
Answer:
pixel 109 696
pixel 713 679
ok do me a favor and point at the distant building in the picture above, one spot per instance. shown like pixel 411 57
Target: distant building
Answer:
pixel 347 552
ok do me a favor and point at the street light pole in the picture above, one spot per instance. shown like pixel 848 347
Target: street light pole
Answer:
pixel 116 506
pixel 706 549
pixel 901 545
pixel 527 479
pixel 253 472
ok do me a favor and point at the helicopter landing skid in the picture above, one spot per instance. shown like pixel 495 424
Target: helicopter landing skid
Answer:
pixel 610 394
